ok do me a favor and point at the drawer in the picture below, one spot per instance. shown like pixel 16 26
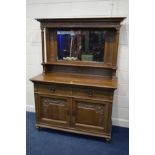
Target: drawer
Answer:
pixel 91 92
pixel 53 89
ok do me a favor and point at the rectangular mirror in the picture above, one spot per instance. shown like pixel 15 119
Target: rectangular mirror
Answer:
pixel 81 45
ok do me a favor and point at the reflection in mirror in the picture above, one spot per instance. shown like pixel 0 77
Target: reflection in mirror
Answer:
pixel 81 45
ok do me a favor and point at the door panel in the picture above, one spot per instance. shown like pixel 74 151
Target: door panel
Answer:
pixel 90 115
pixel 54 110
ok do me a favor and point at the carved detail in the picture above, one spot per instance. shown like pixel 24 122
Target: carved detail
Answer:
pixel 52 89
pixel 45 110
pixel 101 117
pixel 46 102
pixel 97 107
pixel 41 27
pixel 90 92
pixel 85 105
pixel 109 36
pixel 117 29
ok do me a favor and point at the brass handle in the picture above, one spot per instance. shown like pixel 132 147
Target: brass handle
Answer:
pixel 52 90
pixel 89 92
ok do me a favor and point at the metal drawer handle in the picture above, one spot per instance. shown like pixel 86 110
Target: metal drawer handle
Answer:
pixel 52 90
pixel 89 92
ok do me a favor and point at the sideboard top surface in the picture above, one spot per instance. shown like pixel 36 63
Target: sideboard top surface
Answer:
pixel 76 79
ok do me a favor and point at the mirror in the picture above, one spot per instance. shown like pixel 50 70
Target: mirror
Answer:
pixel 81 45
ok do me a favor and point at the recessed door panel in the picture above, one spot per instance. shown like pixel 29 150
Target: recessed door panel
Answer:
pixel 54 110
pixel 90 115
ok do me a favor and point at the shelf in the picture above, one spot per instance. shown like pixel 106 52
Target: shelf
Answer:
pixel 76 79
pixel 82 64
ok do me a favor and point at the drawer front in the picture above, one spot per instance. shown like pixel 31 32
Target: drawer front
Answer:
pixel 53 89
pixel 91 92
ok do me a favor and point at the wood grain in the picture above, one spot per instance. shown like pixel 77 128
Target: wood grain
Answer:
pixel 76 79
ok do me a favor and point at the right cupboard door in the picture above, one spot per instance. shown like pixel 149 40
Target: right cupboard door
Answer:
pixel 89 115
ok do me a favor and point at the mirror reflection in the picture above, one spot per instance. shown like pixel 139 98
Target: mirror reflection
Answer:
pixel 81 45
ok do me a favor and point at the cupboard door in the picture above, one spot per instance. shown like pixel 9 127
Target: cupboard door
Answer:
pixel 90 115
pixel 53 110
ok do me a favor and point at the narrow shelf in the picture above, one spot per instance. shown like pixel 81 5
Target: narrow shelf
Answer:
pixel 76 79
pixel 81 64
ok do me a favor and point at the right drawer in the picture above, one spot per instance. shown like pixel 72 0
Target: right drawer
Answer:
pixel 93 92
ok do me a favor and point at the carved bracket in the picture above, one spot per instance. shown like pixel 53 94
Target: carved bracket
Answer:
pixel 110 36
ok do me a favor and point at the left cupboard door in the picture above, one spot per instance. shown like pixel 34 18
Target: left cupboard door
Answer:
pixel 52 110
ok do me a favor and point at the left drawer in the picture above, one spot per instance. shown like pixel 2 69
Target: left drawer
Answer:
pixel 58 89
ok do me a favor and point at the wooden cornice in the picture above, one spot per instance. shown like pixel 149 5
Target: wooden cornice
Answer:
pixel 99 22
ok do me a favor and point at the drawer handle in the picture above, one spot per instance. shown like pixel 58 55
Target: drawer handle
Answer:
pixel 89 92
pixel 52 90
